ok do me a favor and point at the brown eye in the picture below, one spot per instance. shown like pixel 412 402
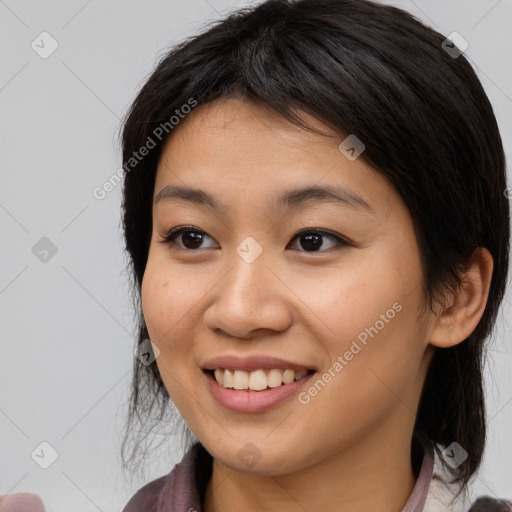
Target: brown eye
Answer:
pixel 312 240
pixel 191 238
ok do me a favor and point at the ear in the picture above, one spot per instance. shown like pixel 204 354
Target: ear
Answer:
pixel 466 307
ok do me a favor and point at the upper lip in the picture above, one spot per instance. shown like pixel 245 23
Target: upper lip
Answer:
pixel 252 363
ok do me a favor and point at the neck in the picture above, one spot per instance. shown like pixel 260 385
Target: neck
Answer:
pixel 353 480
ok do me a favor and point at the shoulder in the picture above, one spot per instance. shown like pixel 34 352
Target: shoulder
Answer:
pixel 443 496
pixel 184 484
pixel 487 504
pixel 146 498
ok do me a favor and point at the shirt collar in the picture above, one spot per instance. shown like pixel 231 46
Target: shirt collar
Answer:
pixel 186 484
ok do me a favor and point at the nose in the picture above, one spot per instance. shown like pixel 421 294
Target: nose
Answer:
pixel 251 297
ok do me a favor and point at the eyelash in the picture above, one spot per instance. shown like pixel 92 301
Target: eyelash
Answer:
pixel 168 238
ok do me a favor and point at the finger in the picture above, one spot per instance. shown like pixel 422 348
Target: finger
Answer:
pixel 21 502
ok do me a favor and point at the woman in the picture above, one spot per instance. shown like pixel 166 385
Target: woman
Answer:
pixel 316 216
pixel 320 240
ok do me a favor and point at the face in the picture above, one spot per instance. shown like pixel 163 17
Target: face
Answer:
pixel 311 301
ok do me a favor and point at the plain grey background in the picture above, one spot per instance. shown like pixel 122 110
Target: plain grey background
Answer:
pixel 66 322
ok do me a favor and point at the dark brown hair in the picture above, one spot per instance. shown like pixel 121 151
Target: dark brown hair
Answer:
pixel 376 72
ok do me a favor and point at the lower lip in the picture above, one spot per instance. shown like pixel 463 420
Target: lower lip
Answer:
pixel 253 401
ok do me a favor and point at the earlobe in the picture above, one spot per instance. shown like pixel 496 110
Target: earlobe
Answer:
pixel 460 318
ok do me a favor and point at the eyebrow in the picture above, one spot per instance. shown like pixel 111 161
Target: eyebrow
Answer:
pixel 290 199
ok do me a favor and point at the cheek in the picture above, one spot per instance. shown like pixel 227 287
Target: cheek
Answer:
pixel 165 314
pixel 166 307
pixel 370 317
pixel 375 365
pixel 153 300
pixel 371 292
pixel 171 304
pixel 164 296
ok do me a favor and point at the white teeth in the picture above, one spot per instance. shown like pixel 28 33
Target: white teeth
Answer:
pixel 257 380
pixel 240 380
pixel 288 376
pixel 219 376
pixel 227 379
pixel 274 378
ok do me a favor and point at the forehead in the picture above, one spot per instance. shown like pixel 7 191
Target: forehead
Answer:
pixel 242 150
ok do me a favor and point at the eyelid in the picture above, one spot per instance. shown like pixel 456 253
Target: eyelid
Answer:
pixel 325 232
pixel 166 239
pixel 341 240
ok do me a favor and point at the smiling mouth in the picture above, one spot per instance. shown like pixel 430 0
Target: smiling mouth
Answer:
pixel 257 380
